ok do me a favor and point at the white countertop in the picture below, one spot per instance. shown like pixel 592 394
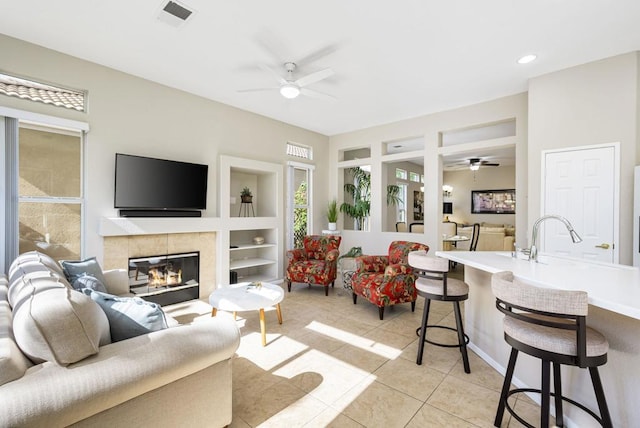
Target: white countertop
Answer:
pixel 612 287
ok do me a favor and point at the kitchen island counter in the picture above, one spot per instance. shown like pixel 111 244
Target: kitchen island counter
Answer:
pixel 614 310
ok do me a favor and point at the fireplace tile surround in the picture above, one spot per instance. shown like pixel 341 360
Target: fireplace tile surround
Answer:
pixel 118 250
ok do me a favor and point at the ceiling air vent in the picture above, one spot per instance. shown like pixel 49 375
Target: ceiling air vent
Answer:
pixel 174 13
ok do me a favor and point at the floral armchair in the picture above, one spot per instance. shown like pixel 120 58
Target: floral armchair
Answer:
pixel 315 263
pixel 387 280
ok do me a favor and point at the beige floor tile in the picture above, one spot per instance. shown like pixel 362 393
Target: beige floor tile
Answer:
pixel 237 422
pixel 466 400
pixel 374 404
pixel 297 414
pixel 331 418
pixel 390 338
pixel 322 376
pixel 429 416
pixel 435 357
pixel 481 373
pixel 333 363
pixel 363 359
pixel 406 376
pixel 530 413
pixel 255 407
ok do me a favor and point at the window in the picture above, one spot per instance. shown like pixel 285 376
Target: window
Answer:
pixel 300 184
pixel 299 151
pixel 401 173
pixel 414 176
pixel 13 86
pixel 50 191
pixel 401 207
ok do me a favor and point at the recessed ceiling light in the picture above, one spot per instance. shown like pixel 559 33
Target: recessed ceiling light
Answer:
pixel 527 59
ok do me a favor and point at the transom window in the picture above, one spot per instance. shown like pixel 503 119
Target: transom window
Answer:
pixel 13 86
pixel 401 173
pixel 299 151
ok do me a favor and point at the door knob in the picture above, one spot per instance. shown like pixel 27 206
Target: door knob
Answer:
pixel 603 246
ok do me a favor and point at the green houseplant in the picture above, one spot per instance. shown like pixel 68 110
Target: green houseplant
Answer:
pixel 245 195
pixel 360 193
pixel 332 214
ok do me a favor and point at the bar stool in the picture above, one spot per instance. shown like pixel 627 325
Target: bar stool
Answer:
pixel 433 284
pixel 551 325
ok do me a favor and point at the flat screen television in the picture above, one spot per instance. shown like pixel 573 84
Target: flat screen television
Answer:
pixel 155 185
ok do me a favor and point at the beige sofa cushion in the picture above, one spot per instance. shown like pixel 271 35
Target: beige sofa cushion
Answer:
pixel 52 322
pixel 13 363
pixel 34 257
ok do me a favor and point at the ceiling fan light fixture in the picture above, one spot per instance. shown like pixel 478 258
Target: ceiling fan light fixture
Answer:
pixel 474 166
pixel 527 59
pixel 289 91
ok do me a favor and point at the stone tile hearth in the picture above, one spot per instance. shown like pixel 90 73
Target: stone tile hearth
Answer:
pixel 118 250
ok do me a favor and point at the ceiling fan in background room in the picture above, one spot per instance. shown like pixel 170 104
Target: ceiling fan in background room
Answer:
pixel 290 87
pixel 476 163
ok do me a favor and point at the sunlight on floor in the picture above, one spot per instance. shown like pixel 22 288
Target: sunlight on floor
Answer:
pixel 355 340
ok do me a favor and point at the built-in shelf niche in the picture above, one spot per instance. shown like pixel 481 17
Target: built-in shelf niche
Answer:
pixel 262 178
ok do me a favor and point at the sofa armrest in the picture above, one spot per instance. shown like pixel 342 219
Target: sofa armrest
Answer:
pixel 509 243
pixel 117 281
pixel 120 372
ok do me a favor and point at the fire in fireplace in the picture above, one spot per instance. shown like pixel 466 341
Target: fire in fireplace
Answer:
pixel 165 279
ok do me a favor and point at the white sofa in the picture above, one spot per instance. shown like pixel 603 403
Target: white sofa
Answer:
pixel 178 376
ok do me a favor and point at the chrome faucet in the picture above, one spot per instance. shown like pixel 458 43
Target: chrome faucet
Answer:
pixel 533 251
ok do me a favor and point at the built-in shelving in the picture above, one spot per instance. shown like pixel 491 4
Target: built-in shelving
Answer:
pixel 237 250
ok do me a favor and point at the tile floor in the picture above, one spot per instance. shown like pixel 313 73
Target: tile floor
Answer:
pixel 335 364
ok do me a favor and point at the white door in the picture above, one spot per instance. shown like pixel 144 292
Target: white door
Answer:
pixel 580 185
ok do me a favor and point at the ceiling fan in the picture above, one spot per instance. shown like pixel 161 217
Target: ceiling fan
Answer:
pixel 476 163
pixel 290 87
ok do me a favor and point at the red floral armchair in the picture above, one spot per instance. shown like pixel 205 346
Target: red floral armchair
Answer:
pixel 387 280
pixel 315 263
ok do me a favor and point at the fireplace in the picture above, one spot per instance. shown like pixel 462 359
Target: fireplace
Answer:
pixel 165 279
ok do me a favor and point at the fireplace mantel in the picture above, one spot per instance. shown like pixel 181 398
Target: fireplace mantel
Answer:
pixel 129 226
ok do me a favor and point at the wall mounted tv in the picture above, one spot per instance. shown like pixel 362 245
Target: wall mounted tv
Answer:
pixel 149 187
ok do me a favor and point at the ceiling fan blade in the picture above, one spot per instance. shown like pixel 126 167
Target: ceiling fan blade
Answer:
pixel 258 89
pixel 316 94
pixel 316 55
pixel 487 163
pixel 314 77
pixel 274 73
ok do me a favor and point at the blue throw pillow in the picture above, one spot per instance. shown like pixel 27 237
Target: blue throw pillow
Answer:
pixel 129 316
pixel 88 281
pixel 75 269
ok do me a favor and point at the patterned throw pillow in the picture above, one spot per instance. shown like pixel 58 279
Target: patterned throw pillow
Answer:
pixel 88 281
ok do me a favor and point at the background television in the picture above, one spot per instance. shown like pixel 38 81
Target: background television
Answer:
pixel 144 183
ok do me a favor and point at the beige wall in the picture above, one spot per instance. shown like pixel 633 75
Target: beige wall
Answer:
pixel 487 178
pixel 429 127
pixel 589 104
pixel 132 115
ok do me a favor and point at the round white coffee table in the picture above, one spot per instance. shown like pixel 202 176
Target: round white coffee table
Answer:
pixel 248 296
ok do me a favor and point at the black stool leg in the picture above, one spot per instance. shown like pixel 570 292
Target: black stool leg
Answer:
pixel 423 330
pixel 546 393
pixel 505 387
pixel 461 338
pixel 602 401
pixel 557 389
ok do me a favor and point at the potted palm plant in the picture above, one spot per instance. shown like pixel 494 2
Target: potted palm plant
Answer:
pixel 360 193
pixel 332 214
pixel 246 196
